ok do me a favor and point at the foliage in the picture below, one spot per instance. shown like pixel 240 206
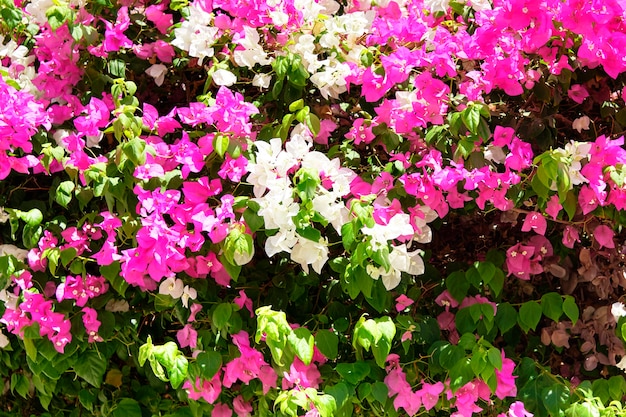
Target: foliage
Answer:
pixel 312 208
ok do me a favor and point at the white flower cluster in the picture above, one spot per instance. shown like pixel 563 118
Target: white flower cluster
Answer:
pixel 21 68
pixel 176 289
pixel 574 152
pixel 274 192
pixel 400 259
pixel 339 34
pixel 197 35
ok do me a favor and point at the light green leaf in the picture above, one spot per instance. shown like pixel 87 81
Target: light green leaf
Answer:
pixel 301 341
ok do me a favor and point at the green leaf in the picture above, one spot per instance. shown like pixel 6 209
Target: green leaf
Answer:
pixel 178 371
pixel 91 367
pixel 63 193
pixel 32 217
pixel 302 342
pixel 380 391
pixel 529 315
pixel 253 220
pixel 585 409
pixel 127 407
pixel 506 317
pixel 68 255
pixel 209 363
pixel 222 314
pixel 570 308
pixel 552 305
pixel 135 150
pixel 20 383
pixel 353 373
pixel 112 274
pixel 220 144
pixel 457 285
pixel 471 118
pixel 556 399
pixel 497 282
pixel 495 358
pixel 328 343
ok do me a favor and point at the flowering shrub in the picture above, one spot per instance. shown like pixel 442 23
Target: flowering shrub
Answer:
pixel 312 208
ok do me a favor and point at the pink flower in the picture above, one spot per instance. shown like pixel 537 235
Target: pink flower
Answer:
pixel 243 301
pixel 578 93
pixel 604 236
pixel 221 410
pixel 207 390
pixel 570 236
pixel 587 199
pixel 446 300
pixel 506 381
pixel 92 324
pixel 242 408
pixel 535 221
pixel 187 336
pixel 517 410
pixel 301 375
pixel 430 393
pixel 403 302
pixel 114 38
pixel 554 207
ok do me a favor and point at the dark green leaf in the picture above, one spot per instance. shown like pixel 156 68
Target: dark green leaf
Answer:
pixel 91 367
pixel 327 342
pixel 552 305
pixel 353 373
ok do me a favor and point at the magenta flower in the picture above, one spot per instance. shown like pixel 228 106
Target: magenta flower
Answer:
pixel 187 337
pixel 506 381
pixel 535 221
pixel 430 393
pixel 570 236
pixel 243 301
pixel 604 236
pixel 114 38
pixel 554 207
pixel 403 302
pixel 207 390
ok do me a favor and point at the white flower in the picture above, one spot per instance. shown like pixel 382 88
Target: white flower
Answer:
pixel 188 293
pixel 20 254
pixel 437 5
pixel 282 241
pixel 157 71
pixel 196 35
pixel 391 279
pixel 93 141
pixel 399 225
pixel 9 299
pixel 307 252
pixel 622 363
pixel 618 310
pixel 480 5
pixel 224 77
pixel 4 340
pixel 582 123
pixel 332 80
pixel 262 80
pixel 253 52
pixel 172 287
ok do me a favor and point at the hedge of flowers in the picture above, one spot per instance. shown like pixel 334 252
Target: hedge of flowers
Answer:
pixel 312 208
